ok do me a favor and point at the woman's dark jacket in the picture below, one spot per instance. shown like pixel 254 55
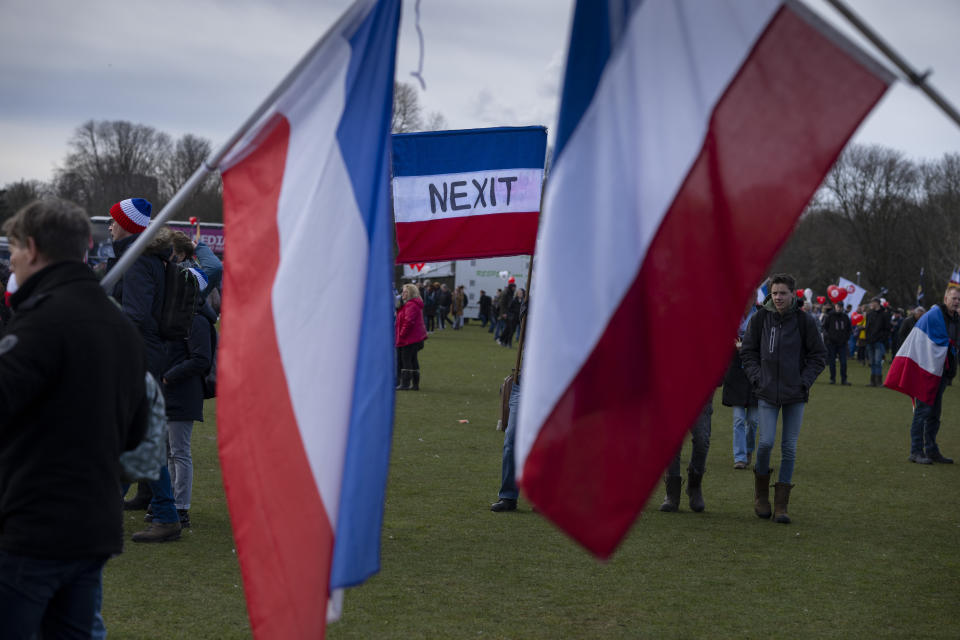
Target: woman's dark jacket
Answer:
pixel 190 361
pixel 781 360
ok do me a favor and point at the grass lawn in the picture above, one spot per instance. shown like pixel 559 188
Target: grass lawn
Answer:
pixel 874 549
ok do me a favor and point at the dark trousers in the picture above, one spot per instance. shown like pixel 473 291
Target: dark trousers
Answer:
pixel 700 436
pixel 57 597
pixel 834 351
pixel 408 355
pixel 926 424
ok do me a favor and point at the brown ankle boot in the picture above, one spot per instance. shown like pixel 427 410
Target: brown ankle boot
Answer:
pixel 761 494
pixel 781 496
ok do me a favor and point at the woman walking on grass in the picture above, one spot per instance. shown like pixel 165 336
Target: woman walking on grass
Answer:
pixel 782 355
pixel 410 334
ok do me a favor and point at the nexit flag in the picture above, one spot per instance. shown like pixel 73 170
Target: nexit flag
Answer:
pixel 918 366
pixel 691 136
pixel 306 363
pixel 467 194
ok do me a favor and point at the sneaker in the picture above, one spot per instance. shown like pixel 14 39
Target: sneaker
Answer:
pixel 184 518
pixel 740 465
pixel 148 517
pixel 939 457
pixel 919 458
pixel 504 504
pixel 159 532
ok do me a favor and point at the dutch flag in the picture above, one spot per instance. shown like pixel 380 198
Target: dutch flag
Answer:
pixel 305 406
pixel 691 136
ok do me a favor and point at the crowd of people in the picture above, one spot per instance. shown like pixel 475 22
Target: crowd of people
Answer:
pixel 62 430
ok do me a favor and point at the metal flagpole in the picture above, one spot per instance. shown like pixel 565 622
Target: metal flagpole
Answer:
pixel 917 79
pixel 210 164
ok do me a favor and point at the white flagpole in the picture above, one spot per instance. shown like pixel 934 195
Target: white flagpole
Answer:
pixel 210 164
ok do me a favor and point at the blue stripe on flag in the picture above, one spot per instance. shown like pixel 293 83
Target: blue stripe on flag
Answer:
pixel 436 152
pixel 363 136
pixel 934 325
pixel 596 26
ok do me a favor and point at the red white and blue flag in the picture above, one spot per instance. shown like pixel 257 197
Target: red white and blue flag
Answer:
pixel 473 193
pixel 691 136
pixel 918 366
pixel 305 408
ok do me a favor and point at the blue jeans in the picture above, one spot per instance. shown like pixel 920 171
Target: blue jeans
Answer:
pixel 792 419
pixel 508 466
pixel 833 352
pixel 700 438
pixel 853 341
pixel 499 328
pixel 164 510
pixel 180 461
pixel 875 352
pixel 926 424
pixel 57 597
pixel 745 422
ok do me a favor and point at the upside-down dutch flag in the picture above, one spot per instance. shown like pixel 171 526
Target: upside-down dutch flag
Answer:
pixel 918 366
pixel 472 193
pixel 305 406
pixel 691 136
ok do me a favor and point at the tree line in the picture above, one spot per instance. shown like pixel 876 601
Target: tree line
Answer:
pixel 108 160
pixel 885 216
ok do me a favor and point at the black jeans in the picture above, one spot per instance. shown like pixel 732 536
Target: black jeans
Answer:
pixel 58 597
pixel 408 355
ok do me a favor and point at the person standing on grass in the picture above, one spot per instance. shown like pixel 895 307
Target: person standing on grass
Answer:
pixel 700 443
pixel 930 346
pixel 509 493
pixel 737 393
pixel 782 354
pixel 139 292
pixel 72 398
pixel 837 330
pixel 877 332
pixel 410 336
pixel 484 302
pixel 444 302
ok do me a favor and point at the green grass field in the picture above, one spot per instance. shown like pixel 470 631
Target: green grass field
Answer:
pixel 874 549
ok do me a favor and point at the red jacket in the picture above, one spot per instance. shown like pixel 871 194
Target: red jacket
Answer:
pixel 410 327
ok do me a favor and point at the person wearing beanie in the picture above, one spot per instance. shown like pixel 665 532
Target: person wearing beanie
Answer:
pixel 139 291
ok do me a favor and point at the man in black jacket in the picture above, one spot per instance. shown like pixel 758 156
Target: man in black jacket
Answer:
pixel 782 355
pixel 836 333
pixel 877 333
pixel 140 294
pixel 72 398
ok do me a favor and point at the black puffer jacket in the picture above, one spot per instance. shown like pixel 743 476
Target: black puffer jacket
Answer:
pixel 140 294
pixel 71 400
pixel 878 326
pixel 837 327
pixel 779 364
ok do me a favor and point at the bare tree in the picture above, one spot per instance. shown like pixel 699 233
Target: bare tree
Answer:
pixel 407 114
pixel 436 122
pixel 18 194
pixel 112 160
pixel 186 156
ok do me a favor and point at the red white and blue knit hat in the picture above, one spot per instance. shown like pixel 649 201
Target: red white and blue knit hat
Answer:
pixel 132 214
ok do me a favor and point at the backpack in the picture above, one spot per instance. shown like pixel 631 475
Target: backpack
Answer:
pixel 210 377
pixel 144 461
pixel 181 296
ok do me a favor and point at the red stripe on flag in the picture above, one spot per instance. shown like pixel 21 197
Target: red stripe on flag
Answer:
pixel 283 536
pixel 906 376
pixel 772 138
pixel 483 236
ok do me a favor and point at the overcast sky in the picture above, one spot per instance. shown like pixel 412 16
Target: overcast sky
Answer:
pixel 202 66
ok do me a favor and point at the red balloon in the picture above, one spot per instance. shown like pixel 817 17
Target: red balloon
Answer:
pixel 799 293
pixel 835 293
pixel 193 219
pixel 856 317
pixel 821 299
